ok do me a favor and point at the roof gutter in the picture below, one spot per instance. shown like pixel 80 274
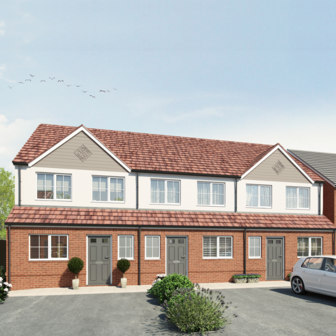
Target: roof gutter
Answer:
pixel 163 227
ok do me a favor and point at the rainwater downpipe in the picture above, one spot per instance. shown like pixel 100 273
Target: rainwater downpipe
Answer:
pixel 245 251
pixel 9 254
pixel 137 191
pixel 139 255
pixel 319 199
pixel 235 195
pixel 334 242
pixel 19 185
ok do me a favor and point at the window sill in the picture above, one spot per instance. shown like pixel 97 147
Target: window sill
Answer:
pixel 256 207
pixel 220 258
pixel 111 202
pixel 211 205
pixel 56 259
pixel 53 199
pixel 126 259
pixel 297 208
pixel 255 258
pixel 177 204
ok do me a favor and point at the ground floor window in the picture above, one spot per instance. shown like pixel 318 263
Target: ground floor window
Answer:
pixel 254 247
pixel 309 246
pixel 217 247
pixel 48 247
pixel 125 247
pixel 152 246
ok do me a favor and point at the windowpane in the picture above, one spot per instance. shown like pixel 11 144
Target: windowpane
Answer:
pixel 34 252
pixel 125 247
pixel 117 190
pixel 225 247
pixel 203 193
pixel 209 247
pixel 58 246
pixel 152 247
pixel 45 186
pixel 302 247
pixel 315 263
pixel 149 252
pixel 218 194
pixel 157 191
pixel 173 192
pixel 252 195
pixel 316 246
pixel 330 265
pixel 156 251
pixel 265 196
pixel 34 241
pixel 99 189
pixel 255 247
pixel 304 198
pixel 291 198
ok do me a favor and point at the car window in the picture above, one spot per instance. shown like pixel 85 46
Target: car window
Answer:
pixel 330 265
pixel 313 263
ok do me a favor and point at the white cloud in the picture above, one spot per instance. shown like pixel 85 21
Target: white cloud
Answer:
pixel 13 136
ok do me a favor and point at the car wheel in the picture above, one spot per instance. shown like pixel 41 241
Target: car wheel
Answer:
pixel 298 286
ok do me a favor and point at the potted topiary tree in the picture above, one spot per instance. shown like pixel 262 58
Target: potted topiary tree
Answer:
pixel 123 266
pixel 75 265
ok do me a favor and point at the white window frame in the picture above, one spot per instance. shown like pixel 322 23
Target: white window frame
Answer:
pixel 217 248
pixel 49 247
pixel 54 188
pixel 309 246
pixel 260 241
pixel 108 189
pixel 156 258
pixel 212 205
pixel 165 191
pixel 131 236
pixel 297 198
pixel 259 206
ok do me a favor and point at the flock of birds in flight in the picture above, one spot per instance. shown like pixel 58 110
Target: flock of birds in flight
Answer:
pixel 60 81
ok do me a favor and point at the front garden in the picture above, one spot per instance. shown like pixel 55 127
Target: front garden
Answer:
pixel 188 306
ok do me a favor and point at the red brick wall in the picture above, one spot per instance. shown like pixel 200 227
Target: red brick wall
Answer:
pixel 40 274
pixel 329 201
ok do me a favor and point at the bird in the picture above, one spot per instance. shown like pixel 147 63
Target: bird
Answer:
pixel 10 87
pixel 78 85
pixel 42 80
pixel 32 75
pixel 93 97
pixel 27 80
pixel 84 91
pixel 102 91
pixel 68 85
pixel 52 78
pixel 20 83
pixel 60 81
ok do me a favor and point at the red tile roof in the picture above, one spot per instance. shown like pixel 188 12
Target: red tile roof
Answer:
pixel 159 153
pixel 78 216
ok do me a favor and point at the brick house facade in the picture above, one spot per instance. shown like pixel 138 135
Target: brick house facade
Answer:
pixel 220 189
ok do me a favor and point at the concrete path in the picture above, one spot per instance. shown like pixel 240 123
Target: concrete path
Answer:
pixel 137 289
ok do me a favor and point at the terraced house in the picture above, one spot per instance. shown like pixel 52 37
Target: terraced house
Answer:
pixel 204 208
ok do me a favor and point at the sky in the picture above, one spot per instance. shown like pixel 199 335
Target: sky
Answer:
pixel 251 71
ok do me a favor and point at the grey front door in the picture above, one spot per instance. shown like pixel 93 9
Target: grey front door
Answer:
pixel 177 255
pixel 274 266
pixel 99 261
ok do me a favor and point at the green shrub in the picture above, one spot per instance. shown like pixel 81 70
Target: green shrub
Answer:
pixel 75 265
pixel 242 276
pixel 289 275
pixel 123 265
pixel 4 288
pixel 197 309
pixel 164 289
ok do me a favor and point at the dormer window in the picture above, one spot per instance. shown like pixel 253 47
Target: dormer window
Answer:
pixel 53 187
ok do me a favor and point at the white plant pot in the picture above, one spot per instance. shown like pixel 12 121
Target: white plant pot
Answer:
pixel 75 283
pixel 123 282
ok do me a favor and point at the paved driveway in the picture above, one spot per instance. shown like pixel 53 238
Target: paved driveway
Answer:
pixel 260 311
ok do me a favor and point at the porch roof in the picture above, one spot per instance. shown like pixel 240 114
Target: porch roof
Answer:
pixel 111 217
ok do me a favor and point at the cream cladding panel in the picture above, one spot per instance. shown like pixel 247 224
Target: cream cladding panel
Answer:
pixel 277 168
pixel 73 155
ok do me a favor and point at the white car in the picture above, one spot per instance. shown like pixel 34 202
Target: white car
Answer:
pixel 315 274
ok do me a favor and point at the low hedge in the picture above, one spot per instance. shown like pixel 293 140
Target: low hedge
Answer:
pixel 164 288
pixel 246 276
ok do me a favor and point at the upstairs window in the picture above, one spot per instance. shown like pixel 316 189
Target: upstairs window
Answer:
pixel 108 189
pixel 258 196
pixel 210 193
pixel 165 192
pixel 297 198
pixel 46 189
